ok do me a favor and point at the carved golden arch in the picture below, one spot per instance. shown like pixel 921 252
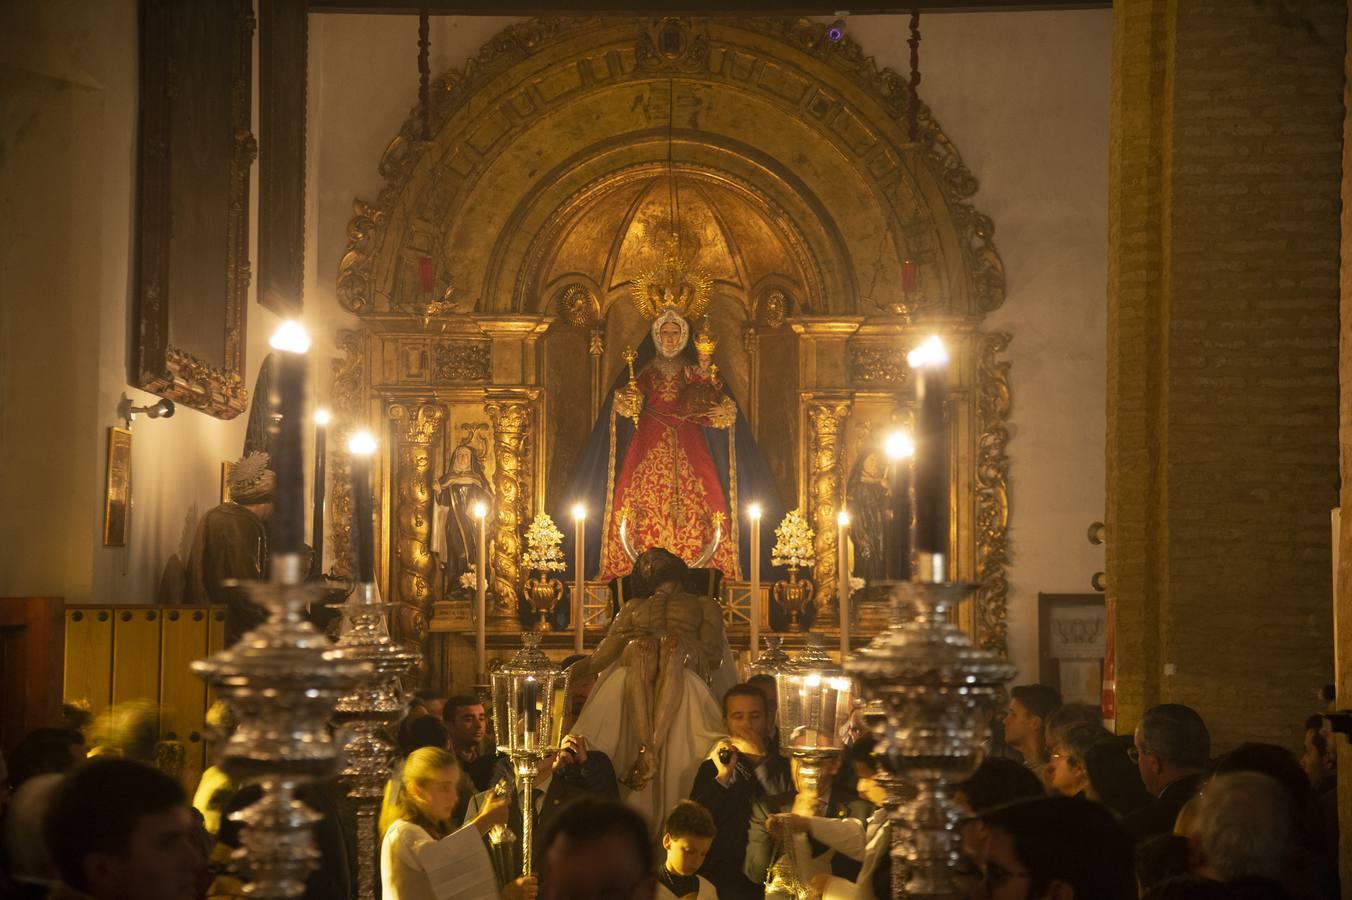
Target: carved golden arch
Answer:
pixel 549 107
pixel 554 114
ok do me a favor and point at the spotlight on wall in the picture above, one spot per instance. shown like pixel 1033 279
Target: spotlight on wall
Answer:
pixel 836 30
pixel 161 410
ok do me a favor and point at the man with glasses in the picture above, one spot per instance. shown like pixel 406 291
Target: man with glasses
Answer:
pixel 1056 848
pixel 1172 747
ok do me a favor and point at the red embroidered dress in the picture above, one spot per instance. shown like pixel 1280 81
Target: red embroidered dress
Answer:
pixel 668 487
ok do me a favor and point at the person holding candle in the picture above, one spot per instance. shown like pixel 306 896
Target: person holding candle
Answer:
pixel 421 856
pixel 576 770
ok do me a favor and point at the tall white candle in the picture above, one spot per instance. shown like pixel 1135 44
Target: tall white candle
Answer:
pixel 481 591
pixel 580 577
pixel 754 512
pixel 843 581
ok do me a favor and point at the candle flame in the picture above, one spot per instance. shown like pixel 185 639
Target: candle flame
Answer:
pixel 843 518
pixel 323 416
pixel 899 445
pixel 290 337
pixel 579 512
pixel 931 353
pixel 362 443
pixel 480 510
pixel 754 511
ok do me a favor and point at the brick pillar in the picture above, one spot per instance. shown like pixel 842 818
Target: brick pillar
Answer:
pixel 1343 613
pixel 1222 358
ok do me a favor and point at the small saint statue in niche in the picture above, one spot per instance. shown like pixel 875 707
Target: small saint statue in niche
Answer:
pixel 232 543
pixel 456 530
pixel 866 491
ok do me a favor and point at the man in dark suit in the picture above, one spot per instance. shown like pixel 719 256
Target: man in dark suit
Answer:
pixel 1172 747
pixel 572 773
pixel 741 769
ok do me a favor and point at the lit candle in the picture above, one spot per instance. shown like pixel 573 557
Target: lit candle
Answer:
pixel 362 446
pixel 579 576
pixel 754 513
pixel 288 513
pixel 481 589
pixel 930 362
pixel 843 581
pixel 530 694
pixel 322 420
pixel 899 448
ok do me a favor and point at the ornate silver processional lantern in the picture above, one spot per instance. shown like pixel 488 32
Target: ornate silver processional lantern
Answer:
pixel 525 726
pixel 934 686
pixel 815 701
pixel 282 680
pixel 374 704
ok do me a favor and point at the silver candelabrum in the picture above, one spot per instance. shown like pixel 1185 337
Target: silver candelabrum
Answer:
pixel 282 680
pixel 365 713
pixel 934 686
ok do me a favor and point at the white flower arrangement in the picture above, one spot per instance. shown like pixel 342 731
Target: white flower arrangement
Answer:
pixel 856 584
pixel 793 542
pixel 542 545
pixel 469 578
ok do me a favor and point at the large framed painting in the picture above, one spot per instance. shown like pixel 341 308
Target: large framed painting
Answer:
pixel 196 151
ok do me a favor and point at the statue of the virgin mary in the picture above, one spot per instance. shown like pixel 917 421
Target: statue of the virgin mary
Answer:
pixel 671 459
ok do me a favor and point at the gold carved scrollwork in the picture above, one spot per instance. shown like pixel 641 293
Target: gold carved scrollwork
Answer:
pixel 992 493
pixel 455 363
pixel 416 568
pixel 511 423
pixel 346 393
pixel 827 461
pixel 354 269
pixel 878 366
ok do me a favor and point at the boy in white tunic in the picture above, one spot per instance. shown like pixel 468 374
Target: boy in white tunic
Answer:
pixel 686 836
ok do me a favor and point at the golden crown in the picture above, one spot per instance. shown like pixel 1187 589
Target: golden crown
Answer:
pixel 671 285
pixel 705 343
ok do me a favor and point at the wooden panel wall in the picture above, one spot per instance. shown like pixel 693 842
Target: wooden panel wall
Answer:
pixel 120 654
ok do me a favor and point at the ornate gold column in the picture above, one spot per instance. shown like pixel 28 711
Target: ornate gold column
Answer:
pixel 511 424
pixel 825 490
pixel 992 493
pixel 415 567
pixel 348 405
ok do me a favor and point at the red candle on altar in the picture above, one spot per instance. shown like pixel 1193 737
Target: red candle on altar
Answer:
pixel 425 273
pixel 910 277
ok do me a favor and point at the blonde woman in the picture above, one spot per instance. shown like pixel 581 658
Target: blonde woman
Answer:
pixel 421 857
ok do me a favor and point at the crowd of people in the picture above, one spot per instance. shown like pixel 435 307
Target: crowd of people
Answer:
pixel 1060 808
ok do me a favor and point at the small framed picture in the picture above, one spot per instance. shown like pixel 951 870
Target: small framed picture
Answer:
pixel 117 491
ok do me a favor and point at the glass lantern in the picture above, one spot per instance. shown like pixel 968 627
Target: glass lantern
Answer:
pixel 815 702
pixel 524 724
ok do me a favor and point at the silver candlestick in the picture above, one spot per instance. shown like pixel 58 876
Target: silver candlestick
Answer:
pixel 282 681
pixel 934 685
pixel 374 704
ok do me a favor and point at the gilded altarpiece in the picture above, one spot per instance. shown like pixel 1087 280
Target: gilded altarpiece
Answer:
pixel 492 278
